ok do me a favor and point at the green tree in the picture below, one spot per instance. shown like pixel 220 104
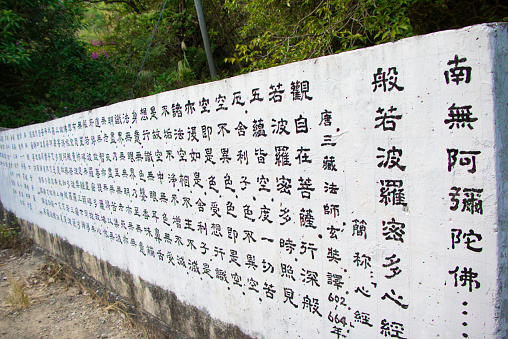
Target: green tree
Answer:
pixel 45 71
pixel 175 58
pixel 59 57
pixel 276 32
pixel 293 30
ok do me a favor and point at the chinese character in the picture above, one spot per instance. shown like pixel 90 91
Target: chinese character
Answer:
pixel 282 156
pixel 460 117
pixel 467 277
pixel 359 228
pixel 176 109
pixel 334 279
pixel 326 118
pixel 393 329
pixel 220 100
pixel 331 209
pixel 222 128
pixel 393 260
pixel 393 230
pixel 237 97
pixel 279 127
pixel 387 121
pixel 391 191
pixel 392 158
pixel 287 271
pixel 333 255
pixel 301 125
pixel 275 94
pixel 456 73
pixel 468 239
pixel 467 158
pixel 328 140
pixel 289 295
pixel 381 78
pixel 329 163
pixel 261 155
pixel 255 95
pixel 364 260
pixel 204 104
pixel 311 304
pixel 189 107
pixel 258 128
pixel 305 187
pixel 241 128
pixel 363 318
pixel 284 185
pixel 397 301
pixel 471 203
pixel 299 90
pixel 269 289
pixel 310 277
pixel 303 156
pixel 306 218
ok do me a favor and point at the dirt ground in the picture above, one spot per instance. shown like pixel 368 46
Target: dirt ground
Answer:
pixel 58 306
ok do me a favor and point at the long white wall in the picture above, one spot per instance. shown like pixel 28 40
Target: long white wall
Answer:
pixel 358 195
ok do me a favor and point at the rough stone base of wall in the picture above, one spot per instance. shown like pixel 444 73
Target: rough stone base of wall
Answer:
pixel 159 310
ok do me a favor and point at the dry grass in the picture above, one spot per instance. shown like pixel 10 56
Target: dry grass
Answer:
pixel 57 272
pixel 120 307
pixel 18 298
pixel 123 310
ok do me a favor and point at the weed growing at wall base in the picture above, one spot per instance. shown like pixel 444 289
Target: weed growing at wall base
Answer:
pixel 18 298
pixel 9 237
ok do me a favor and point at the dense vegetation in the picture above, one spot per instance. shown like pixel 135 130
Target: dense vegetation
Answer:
pixel 58 57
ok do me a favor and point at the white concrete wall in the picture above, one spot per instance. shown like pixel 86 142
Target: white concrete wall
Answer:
pixel 400 235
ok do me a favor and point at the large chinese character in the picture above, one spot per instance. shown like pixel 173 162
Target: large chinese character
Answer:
pixel 305 187
pixel 392 329
pixel 258 128
pixel 391 192
pixel 326 118
pixel 301 125
pixel 387 120
pixel 457 235
pixel 299 90
pixel 275 93
pixel 382 78
pixel 312 305
pixel 460 117
pixel 466 158
pixel 177 110
pixel 392 260
pixel 391 159
pixel 393 230
pixel 220 101
pixel 189 107
pixel 471 203
pixel 237 99
pixel 395 300
pixel 282 156
pixel 279 127
pixel 467 277
pixel 457 74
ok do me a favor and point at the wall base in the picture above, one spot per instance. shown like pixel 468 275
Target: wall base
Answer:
pixel 159 310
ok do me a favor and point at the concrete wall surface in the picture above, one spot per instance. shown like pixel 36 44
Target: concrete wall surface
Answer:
pixel 359 195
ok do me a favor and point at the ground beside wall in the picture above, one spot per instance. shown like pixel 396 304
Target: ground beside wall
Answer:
pixel 158 309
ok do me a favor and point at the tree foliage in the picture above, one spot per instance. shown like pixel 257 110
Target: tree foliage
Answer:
pixel 45 71
pixel 59 57
pixel 281 31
